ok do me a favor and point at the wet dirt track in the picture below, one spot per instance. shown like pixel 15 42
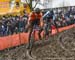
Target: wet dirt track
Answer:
pixel 58 47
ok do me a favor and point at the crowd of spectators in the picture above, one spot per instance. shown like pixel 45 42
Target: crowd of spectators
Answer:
pixel 15 24
pixel 12 24
pixel 64 18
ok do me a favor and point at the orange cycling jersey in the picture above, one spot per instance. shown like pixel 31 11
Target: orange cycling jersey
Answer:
pixel 33 16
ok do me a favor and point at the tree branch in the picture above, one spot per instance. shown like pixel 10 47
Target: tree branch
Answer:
pixel 35 4
pixel 27 3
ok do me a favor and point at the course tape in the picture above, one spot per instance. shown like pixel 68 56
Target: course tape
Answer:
pixel 22 38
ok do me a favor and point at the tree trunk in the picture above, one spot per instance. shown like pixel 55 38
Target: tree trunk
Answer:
pixel 30 5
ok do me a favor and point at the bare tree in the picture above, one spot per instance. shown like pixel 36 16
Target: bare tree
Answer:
pixel 29 2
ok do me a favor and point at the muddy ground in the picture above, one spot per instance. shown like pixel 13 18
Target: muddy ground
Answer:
pixel 57 47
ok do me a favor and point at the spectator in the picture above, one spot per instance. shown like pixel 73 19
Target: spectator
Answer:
pixel 0 28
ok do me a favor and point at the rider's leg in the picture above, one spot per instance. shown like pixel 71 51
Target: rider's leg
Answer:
pixel 56 26
pixel 50 29
pixel 45 31
pixel 29 39
pixel 39 33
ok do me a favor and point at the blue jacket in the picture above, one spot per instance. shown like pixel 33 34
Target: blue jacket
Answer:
pixel 48 15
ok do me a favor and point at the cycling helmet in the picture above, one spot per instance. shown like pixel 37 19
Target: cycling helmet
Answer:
pixel 37 10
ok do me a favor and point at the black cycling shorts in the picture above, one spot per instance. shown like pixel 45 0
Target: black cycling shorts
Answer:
pixel 35 22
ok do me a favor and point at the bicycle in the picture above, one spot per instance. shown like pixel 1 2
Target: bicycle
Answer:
pixel 32 37
pixel 47 30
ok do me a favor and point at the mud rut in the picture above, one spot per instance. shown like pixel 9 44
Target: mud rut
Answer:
pixel 58 47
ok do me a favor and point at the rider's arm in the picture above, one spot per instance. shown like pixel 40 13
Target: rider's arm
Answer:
pixel 30 18
pixel 41 20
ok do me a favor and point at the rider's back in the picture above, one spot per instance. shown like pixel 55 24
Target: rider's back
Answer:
pixel 33 16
